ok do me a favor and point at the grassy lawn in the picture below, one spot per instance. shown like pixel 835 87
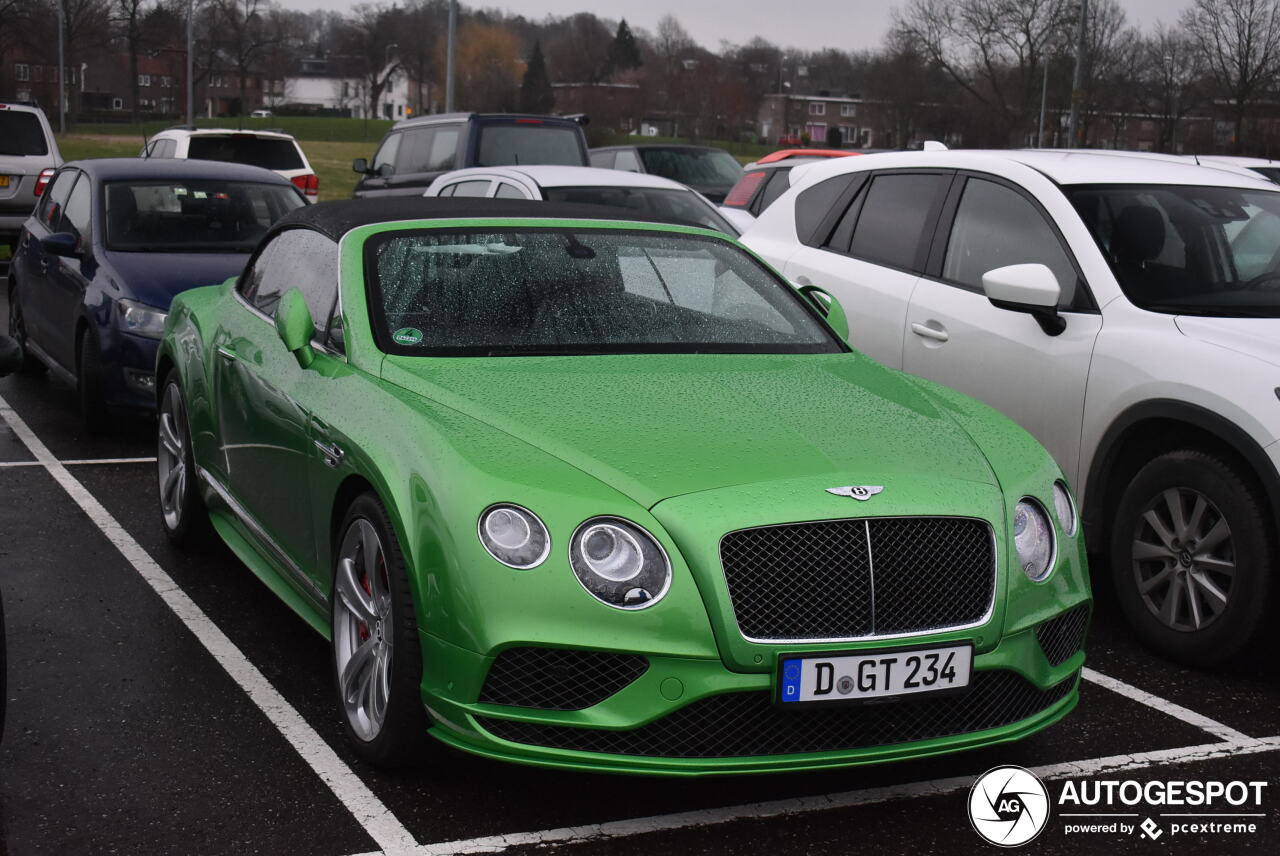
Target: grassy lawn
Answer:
pixel 330 160
pixel 305 128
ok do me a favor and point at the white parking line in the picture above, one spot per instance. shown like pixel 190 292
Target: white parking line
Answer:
pixel 381 825
pixel 80 462
pixel 1177 711
pixel 848 799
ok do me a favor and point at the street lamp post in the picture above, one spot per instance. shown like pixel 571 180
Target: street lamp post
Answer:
pixel 1077 79
pixel 191 77
pixel 62 71
pixel 452 56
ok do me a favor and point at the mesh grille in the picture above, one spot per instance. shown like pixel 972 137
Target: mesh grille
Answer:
pixel 558 679
pixel 821 581
pixel 749 724
pixel 1063 635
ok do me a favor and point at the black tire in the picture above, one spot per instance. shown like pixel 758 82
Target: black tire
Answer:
pixel 182 512
pixel 31 365
pixel 1171 578
pixel 401 738
pixel 93 403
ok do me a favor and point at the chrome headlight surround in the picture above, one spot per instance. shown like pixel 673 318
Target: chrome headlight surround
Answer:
pixel 514 535
pixel 141 319
pixel 619 563
pixel 1065 507
pixel 1034 542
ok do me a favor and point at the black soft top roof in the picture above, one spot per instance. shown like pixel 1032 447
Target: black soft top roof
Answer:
pixel 335 219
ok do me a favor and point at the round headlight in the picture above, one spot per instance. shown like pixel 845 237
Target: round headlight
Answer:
pixel 1065 508
pixel 1033 539
pixel 514 536
pixel 619 563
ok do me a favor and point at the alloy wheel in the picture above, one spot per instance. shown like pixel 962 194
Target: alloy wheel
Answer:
pixel 171 459
pixel 363 633
pixel 1183 559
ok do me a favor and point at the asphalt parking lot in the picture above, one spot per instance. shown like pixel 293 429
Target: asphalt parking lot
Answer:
pixel 160 702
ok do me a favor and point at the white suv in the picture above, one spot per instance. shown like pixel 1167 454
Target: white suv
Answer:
pixel 1124 310
pixel 273 150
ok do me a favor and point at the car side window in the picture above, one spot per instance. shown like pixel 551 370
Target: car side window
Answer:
pixel 603 160
pixel 895 216
pixel 815 203
pixel 475 187
pixel 509 191
pixel 302 259
pixel 165 149
pixel 75 218
pixel 996 226
pixel 415 151
pixel 444 149
pixel 627 161
pixel 778 184
pixel 386 153
pixel 55 198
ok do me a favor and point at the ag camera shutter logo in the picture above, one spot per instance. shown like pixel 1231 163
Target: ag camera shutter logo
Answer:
pixel 1008 806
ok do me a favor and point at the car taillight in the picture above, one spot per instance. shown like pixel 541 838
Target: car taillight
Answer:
pixel 42 180
pixel 740 195
pixel 308 184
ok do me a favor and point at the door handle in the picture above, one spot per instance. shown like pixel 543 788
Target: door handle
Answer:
pixel 928 331
pixel 226 353
pixel 331 453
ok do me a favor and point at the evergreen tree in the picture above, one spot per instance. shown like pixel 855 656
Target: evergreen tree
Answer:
pixel 624 53
pixel 535 90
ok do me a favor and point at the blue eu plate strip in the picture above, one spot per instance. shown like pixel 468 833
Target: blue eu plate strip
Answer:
pixel 791 672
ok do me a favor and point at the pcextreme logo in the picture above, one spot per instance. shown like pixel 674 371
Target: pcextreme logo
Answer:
pixel 1008 806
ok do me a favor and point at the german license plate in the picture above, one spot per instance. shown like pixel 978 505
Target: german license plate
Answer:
pixel 4 181
pixel 875 674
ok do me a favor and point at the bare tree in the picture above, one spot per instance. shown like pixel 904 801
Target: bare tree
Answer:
pixel 992 49
pixel 373 34
pixel 1168 74
pixel 1239 43
pixel 128 16
pixel 248 29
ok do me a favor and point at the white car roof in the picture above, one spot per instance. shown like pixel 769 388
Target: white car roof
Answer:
pixel 206 132
pixel 1082 166
pixel 566 176
pixel 1234 160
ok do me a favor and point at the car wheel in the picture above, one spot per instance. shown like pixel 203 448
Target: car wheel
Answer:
pixel 18 331
pixel 1191 557
pixel 182 510
pixel 377 657
pixel 93 402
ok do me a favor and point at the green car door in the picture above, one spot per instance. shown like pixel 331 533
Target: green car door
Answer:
pixel 268 444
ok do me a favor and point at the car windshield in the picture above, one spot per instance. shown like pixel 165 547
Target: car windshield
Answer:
pixel 692 166
pixel 682 205
pixel 204 216
pixel 21 134
pixel 266 152
pixel 1189 250
pixel 511 145
pixel 1272 173
pixel 581 291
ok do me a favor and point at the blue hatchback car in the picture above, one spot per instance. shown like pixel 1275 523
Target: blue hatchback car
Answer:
pixel 104 252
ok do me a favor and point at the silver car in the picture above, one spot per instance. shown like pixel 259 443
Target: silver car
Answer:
pixel 28 156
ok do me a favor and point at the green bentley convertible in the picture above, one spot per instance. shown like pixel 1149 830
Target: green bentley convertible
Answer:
pixel 567 487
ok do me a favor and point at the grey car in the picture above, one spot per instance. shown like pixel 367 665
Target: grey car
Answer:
pixel 28 156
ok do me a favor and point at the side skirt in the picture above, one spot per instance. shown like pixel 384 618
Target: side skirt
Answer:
pixel 260 553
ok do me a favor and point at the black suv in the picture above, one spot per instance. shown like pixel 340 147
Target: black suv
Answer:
pixel 415 151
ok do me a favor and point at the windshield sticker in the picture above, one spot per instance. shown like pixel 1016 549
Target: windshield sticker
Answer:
pixel 407 336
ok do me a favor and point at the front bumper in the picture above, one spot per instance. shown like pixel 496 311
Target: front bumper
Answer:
pixel 687 716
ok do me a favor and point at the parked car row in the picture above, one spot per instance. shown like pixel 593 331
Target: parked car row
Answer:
pixel 570 476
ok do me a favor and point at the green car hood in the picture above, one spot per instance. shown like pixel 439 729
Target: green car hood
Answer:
pixel 655 426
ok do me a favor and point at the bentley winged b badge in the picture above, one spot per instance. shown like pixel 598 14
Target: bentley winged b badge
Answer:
pixel 860 492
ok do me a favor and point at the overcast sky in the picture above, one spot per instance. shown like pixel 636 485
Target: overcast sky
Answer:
pixel 809 24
